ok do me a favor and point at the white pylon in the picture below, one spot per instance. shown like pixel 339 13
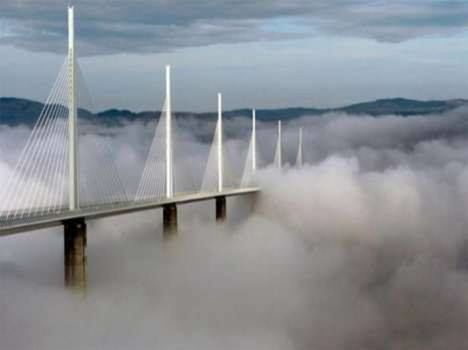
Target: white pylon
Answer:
pixel 220 144
pixel 299 161
pixel 73 191
pixel 254 141
pixel 169 145
pixel 279 148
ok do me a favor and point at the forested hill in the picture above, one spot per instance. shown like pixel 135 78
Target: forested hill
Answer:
pixel 15 111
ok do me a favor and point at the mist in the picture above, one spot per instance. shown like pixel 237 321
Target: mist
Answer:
pixel 364 247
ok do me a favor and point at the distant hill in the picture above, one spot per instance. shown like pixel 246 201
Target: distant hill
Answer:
pixel 16 111
pixel 401 106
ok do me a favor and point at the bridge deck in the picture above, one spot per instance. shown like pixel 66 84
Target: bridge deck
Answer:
pixel 107 210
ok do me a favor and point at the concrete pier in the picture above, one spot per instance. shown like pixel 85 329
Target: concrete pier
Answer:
pixel 75 253
pixel 221 209
pixel 169 220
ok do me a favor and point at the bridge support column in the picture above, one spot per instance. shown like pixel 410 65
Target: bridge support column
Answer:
pixel 221 209
pixel 169 220
pixel 75 253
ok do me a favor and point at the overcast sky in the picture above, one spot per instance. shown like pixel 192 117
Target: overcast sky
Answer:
pixel 264 53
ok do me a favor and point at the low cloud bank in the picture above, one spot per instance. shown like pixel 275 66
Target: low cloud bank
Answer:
pixel 363 248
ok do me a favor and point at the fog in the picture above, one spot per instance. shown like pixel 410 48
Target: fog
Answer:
pixel 362 248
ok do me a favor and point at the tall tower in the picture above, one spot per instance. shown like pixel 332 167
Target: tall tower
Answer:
pixel 169 145
pixel 73 191
pixel 299 160
pixel 220 144
pixel 254 141
pixel 279 148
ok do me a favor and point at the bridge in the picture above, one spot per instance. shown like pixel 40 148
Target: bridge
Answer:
pixel 46 188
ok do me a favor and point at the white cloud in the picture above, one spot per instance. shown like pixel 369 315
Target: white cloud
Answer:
pixel 363 247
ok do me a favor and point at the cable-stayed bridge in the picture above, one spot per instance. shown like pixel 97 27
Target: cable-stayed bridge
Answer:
pixel 55 184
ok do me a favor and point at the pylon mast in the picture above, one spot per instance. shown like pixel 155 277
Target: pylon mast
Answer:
pixel 254 141
pixel 73 181
pixel 169 144
pixel 300 150
pixel 220 144
pixel 279 147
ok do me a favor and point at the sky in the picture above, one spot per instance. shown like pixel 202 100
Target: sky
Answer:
pixel 262 54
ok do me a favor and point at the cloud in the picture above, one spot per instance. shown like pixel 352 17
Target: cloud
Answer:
pixel 364 247
pixel 160 26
